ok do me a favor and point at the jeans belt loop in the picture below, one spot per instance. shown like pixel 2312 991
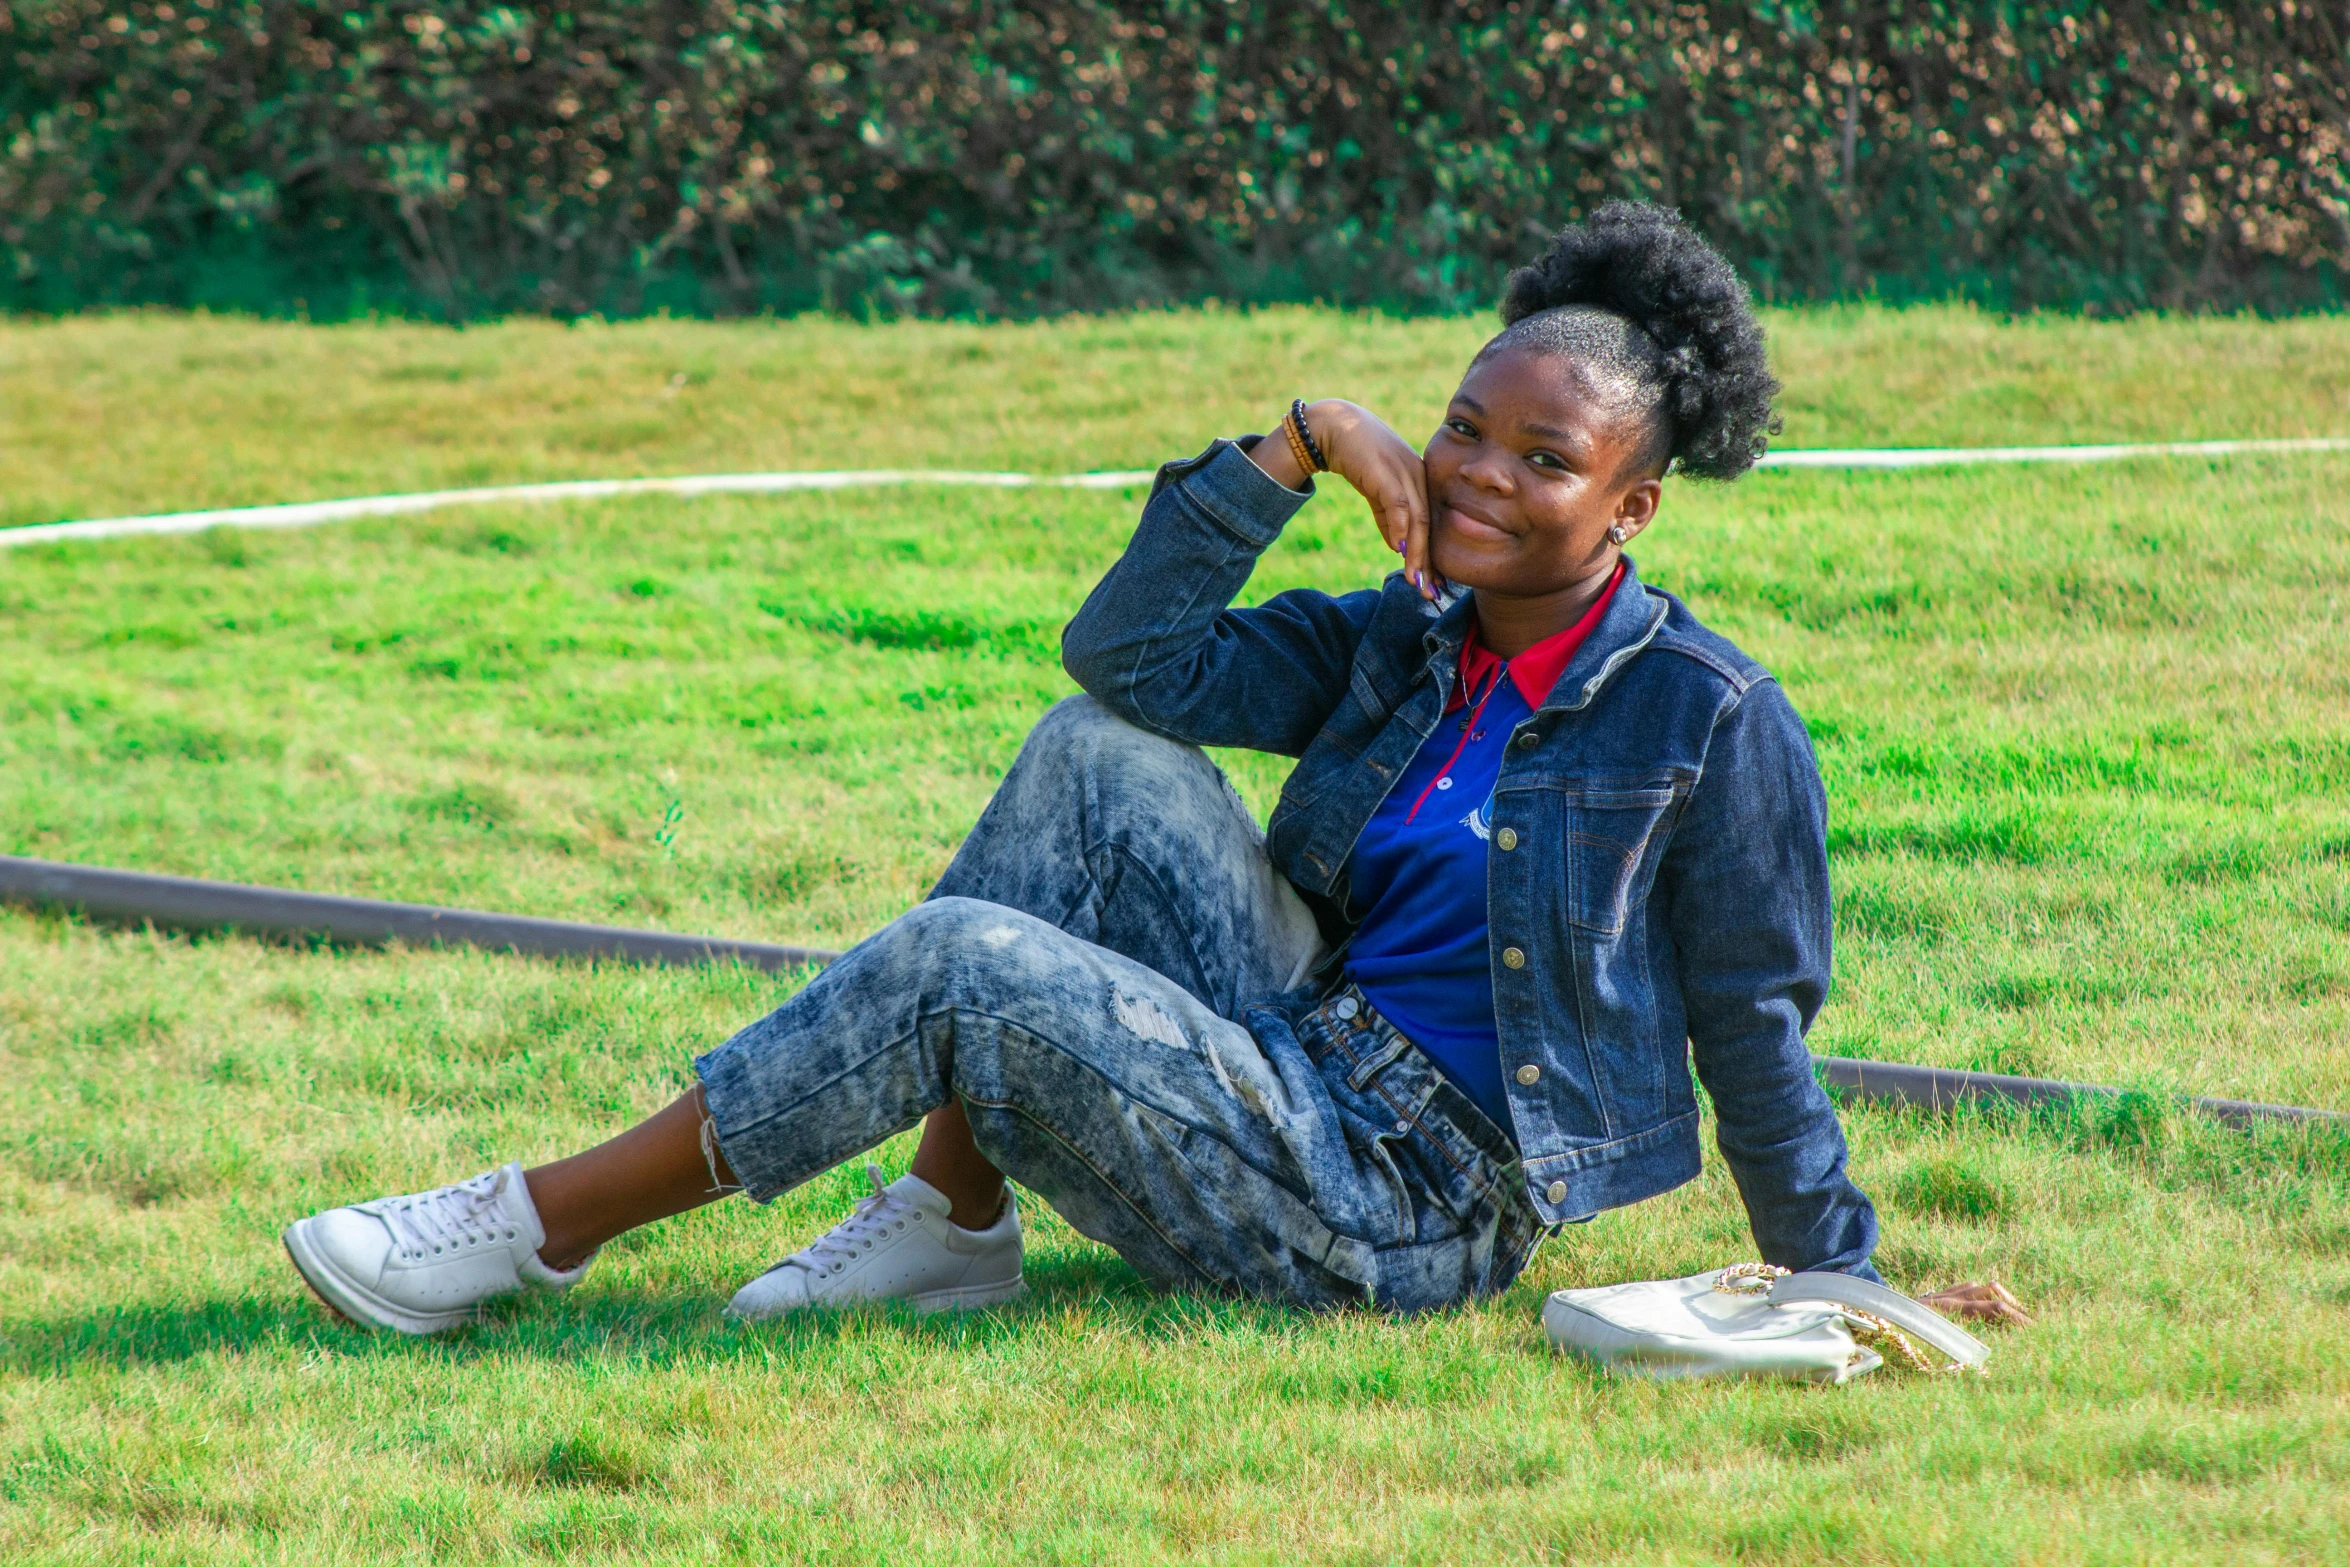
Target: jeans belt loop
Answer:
pixel 1370 1064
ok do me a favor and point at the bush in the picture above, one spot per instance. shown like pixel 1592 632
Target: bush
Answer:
pixel 968 157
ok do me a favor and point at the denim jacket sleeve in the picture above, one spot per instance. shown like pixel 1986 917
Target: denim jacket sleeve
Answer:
pixel 1751 921
pixel 1158 643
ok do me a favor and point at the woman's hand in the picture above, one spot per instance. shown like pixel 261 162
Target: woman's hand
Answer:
pixel 1985 1302
pixel 1382 466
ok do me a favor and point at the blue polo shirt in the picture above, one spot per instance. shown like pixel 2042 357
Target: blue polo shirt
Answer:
pixel 1420 954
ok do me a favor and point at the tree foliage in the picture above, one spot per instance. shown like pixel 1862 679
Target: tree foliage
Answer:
pixel 458 159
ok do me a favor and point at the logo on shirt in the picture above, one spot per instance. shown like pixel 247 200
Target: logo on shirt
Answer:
pixel 1480 821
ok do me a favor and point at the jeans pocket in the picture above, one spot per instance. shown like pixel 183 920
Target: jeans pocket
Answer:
pixel 1252 1231
pixel 1480 1259
pixel 1431 1275
pixel 1381 1156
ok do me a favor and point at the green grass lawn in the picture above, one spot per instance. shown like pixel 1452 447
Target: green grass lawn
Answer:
pixel 2087 742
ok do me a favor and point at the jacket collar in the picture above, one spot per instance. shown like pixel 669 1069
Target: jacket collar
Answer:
pixel 1534 672
pixel 1631 621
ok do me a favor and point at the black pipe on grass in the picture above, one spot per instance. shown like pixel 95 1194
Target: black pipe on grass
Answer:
pixel 186 903
pixel 1941 1088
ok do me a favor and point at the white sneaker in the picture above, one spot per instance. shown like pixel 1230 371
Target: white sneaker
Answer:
pixel 897 1245
pixel 426 1262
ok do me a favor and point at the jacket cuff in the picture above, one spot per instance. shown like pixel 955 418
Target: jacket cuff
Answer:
pixel 1225 484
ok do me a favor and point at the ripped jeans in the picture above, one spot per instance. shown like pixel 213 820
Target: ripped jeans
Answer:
pixel 1117 984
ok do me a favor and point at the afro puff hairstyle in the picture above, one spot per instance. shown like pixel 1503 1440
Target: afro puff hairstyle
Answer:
pixel 1710 379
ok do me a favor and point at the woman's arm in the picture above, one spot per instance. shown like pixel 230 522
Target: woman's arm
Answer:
pixel 1157 641
pixel 1747 876
pixel 1360 448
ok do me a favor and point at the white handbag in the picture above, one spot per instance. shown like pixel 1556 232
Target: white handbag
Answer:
pixel 1754 1320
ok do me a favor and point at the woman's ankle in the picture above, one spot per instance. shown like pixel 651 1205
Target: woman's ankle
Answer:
pixel 663 1165
pixel 950 1160
pixel 982 1213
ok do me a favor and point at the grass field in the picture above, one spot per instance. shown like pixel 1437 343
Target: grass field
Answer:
pixel 2087 742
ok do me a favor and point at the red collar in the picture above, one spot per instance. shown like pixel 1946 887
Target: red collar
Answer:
pixel 1537 669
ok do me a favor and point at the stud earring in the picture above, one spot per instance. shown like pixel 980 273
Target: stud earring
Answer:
pixel 1617 535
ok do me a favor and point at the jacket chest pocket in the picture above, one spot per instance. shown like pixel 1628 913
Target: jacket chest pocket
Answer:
pixel 1613 839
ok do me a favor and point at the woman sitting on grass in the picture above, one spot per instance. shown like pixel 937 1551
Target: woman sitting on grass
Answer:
pixel 1544 827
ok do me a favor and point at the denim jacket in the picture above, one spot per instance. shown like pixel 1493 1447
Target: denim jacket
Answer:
pixel 1658 871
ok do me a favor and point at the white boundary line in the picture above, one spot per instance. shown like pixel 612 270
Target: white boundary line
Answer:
pixel 1952 456
pixel 305 514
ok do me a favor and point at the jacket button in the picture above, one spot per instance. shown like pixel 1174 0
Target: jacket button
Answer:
pixel 1511 957
pixel 1529 740
pixel 1529 1074
pixel 1556 1191
pixel 1507 838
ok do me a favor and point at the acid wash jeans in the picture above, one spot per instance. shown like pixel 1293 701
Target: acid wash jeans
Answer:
pixel 1116 983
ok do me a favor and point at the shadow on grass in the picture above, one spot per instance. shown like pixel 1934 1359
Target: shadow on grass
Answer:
pixel 638 1327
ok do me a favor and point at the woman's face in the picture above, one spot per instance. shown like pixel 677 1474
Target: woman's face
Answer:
pixel 1526 475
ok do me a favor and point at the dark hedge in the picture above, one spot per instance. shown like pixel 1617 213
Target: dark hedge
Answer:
pixel 725 156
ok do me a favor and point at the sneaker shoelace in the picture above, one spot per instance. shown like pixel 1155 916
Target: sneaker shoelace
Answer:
pixel 875 1216
pixel 450 1218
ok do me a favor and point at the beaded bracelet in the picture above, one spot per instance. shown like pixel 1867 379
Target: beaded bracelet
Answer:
pixel 1297 447
pixel 1301 435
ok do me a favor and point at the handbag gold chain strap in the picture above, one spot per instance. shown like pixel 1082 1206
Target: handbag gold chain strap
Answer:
pixel 1751 1279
